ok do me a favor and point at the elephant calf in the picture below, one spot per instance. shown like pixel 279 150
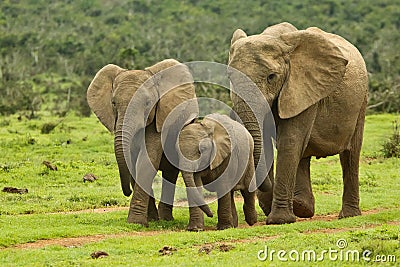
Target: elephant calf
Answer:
pixel 217 152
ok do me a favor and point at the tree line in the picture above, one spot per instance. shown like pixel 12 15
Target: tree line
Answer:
pixel 50 50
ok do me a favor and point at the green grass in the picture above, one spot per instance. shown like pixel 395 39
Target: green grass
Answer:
pixel 81 145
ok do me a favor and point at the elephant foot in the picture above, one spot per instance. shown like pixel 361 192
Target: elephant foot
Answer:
pixel 281 216
pixel 165 211
pixel 250 215
pixel 349 212
pixel 251 220
pixel 195 227
pixel 225 223
pixel 223 226
pixel 303 208
pixel 152 216
pixel 142 220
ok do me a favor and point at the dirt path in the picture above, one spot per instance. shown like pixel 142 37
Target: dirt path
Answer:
pixel 82 240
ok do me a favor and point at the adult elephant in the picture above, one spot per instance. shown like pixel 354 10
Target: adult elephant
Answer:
pixel 316 85
pixel 109 95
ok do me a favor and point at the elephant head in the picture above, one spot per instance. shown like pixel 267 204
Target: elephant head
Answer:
pixel 112 89
pixel 292 68
pixel 205 143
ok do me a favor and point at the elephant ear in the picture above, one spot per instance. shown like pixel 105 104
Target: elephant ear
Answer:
pixel 99 94
pixel 238 34
pixel 221 140
pixel 317 67
pixel 175 87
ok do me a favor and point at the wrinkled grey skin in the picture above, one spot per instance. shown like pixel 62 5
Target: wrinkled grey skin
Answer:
pixel 109 95
pixel 210 147
pixel 316 85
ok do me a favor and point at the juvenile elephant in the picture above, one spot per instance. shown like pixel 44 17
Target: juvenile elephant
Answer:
pixel 316 85
pixel 217 152
pixel 109 95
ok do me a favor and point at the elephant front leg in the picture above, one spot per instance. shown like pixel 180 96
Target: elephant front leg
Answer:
pixel 196 220
pixel 293 136
pixel 303 202
pixel 138 207
pixel 225 219
pixel 282 204
pixel 234 212
pixel 167 195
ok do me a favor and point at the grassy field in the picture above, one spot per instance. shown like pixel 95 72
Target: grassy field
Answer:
pixel 62 220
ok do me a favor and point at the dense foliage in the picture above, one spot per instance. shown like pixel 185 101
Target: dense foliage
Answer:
pixel 50 50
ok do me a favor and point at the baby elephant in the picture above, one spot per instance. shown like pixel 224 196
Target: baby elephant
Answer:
pixel 217 152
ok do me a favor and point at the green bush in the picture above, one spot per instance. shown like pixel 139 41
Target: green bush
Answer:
pixel 391 148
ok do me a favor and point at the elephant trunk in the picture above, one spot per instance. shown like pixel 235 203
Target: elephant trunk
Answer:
pixel 122 142
pixel 124 173
pixel 195 198
pixel 250 122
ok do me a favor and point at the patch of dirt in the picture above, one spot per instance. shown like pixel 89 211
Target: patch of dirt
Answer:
pixel 167 251
pixel 207 248
pixel 99 254
pixel 89 177
pixel 97 210
pixel 49 165
pixel 14 190
pixel 71 242
pixel 332 217
pixel 225 247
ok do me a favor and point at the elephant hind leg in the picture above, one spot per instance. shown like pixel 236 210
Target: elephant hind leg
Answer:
pixel 303 201
pixel 349 159
pixel 225 219
pixel 249 209
pixel 234 212
pixel 265 197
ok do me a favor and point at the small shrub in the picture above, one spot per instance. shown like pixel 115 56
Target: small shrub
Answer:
pixel 48 127
pixel 391 148
pixel 30 140
pixel 4 123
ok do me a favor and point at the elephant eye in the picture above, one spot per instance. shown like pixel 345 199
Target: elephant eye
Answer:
pixel 271 77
